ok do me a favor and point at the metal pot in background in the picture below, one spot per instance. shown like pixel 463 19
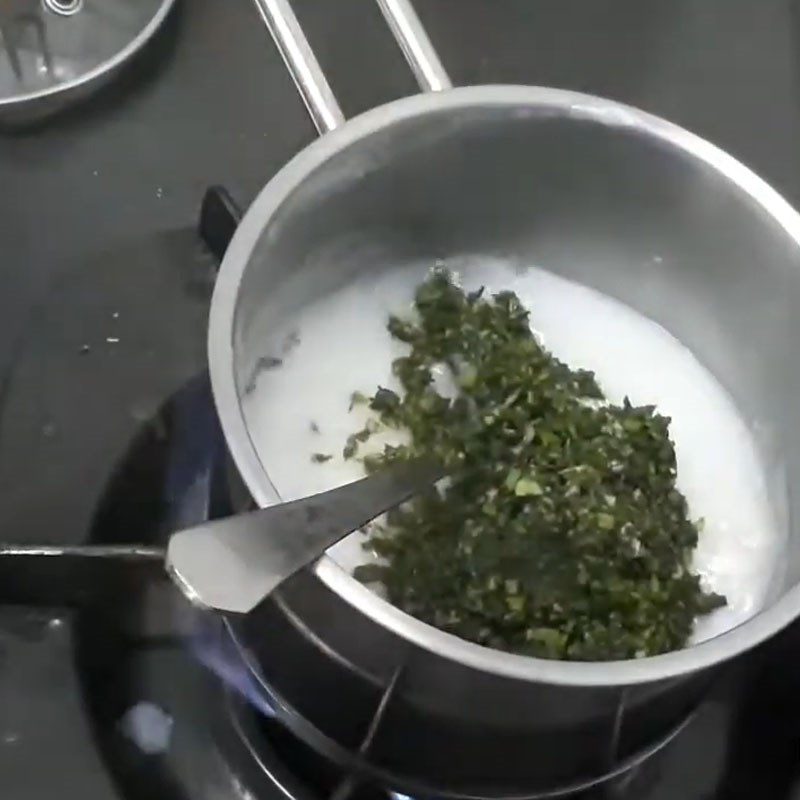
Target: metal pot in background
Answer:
pixel 587 188
pixel 55 52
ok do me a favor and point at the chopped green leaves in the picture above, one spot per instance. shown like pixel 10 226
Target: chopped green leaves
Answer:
pixel 358 399
pixel 605 521
pixel 561 533
pixel 527 487
pixel 385 401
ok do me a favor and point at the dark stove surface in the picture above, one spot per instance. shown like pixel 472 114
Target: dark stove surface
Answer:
pixel 105 295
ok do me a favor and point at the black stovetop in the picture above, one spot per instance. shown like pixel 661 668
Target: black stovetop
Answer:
pixel 106 287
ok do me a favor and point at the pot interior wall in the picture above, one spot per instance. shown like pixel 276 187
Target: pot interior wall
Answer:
pixel 624 212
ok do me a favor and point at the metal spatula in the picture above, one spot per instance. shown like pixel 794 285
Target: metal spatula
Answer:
pixel 226 565
pixel 233 564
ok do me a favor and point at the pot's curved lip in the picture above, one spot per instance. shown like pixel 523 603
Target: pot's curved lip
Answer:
pixel 220 350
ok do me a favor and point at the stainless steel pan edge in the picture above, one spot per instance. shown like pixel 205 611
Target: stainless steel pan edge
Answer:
pixel 536 101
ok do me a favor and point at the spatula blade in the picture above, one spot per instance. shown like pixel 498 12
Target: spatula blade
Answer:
pixel 233 564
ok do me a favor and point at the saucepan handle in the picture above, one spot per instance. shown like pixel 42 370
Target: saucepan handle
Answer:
pixel 308 76
pixel 415 44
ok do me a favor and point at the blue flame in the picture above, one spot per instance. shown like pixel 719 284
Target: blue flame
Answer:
pixel 215 650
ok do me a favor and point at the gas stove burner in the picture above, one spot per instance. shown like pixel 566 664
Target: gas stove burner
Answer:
pixel 53 52
pixel 266 746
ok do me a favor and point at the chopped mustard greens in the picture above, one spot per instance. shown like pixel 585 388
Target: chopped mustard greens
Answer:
pixel 561 532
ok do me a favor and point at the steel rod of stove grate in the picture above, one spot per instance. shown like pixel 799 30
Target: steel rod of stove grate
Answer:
pixel 74 574
pixel 351 781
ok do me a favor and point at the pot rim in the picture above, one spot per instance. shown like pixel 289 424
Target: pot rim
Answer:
pixel 536 101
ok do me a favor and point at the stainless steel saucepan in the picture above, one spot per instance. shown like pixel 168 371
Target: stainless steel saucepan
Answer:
pixel 589 189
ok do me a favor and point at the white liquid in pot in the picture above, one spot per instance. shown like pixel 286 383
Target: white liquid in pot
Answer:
pixel 343 346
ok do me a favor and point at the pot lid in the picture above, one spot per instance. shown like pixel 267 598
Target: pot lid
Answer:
pixel 54 51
